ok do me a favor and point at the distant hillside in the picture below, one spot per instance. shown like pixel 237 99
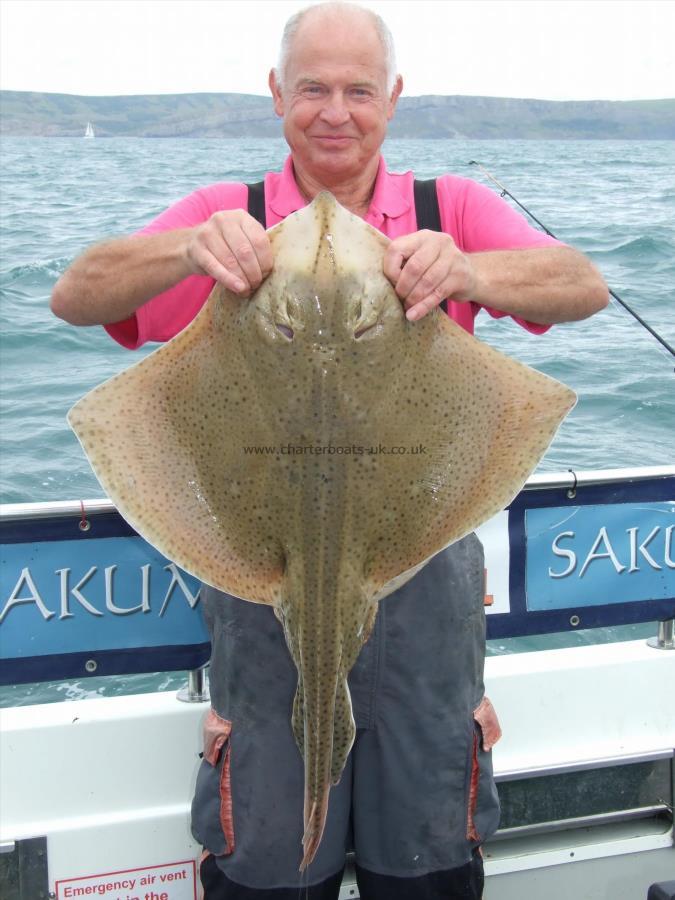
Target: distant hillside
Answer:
pixel 248 115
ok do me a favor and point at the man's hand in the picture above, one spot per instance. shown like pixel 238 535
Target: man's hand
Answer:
pixel 233 248
pixel 110 281
pixel 425 268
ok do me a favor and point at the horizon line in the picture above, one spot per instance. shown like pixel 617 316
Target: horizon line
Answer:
pixel 268 96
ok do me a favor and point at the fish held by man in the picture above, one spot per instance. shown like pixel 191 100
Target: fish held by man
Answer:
pixel 268 450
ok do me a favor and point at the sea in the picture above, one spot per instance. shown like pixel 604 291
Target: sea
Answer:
pixel 613 200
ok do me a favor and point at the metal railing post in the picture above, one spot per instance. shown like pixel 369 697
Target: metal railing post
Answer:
pixel 665 638
pixel 197 688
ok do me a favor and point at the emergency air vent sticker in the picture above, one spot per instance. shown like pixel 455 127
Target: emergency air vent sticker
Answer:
pixel 171 881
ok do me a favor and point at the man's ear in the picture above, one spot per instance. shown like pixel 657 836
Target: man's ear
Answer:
pixel 275 88
pixel 395 94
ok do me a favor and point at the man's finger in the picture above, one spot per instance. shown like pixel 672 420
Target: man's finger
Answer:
pixel 452 287
pixel 430 284
pixel 219 258
pixel 245 257
pixel 416 267
pixel 396 254
pixel 259 240
pixel 419 310
pixel 228 279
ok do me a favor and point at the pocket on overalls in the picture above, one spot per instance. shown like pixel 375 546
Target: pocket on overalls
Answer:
pixel 212 819
pixel 483 803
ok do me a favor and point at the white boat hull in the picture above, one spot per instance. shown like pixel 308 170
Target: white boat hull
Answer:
pixel 111 779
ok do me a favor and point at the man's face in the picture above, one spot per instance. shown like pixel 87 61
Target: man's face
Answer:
pixel 334 99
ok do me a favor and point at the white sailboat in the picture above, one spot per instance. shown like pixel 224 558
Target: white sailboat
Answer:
pixel 89 131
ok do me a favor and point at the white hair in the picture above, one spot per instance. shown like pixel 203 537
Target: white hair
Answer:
pixel 383 33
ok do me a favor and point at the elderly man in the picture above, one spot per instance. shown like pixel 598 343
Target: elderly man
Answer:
pixel 417 797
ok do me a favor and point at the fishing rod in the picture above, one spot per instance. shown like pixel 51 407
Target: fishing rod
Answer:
pixel 505 191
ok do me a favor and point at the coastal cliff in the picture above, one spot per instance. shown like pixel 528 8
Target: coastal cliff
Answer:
pixel 27 113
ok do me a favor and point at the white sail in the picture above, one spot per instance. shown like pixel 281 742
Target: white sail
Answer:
pixel 89 130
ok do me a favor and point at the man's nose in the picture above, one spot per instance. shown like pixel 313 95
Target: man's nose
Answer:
pixel 335 111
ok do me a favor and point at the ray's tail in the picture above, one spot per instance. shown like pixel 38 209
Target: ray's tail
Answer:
pixel 315 822
pixel 325 737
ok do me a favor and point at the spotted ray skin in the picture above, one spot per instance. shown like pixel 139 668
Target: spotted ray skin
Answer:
pixel 320 357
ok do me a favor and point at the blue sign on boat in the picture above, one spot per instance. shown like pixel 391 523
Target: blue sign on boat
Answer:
pixel 581 556
pixel 72 594
pixel 76 606
pixel 101 600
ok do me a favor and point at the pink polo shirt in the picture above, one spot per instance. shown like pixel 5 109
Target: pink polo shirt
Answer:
pixel 475 217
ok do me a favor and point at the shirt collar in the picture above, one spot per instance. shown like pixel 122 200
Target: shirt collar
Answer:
pixel 285 196
pixel 387 200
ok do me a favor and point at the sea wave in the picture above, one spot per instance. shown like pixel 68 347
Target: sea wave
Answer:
pixel 37 272
pixel 641 249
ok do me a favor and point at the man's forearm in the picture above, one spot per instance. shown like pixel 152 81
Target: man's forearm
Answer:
pixel 544 285
pixel 110 281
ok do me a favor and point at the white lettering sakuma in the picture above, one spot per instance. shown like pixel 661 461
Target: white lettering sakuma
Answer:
pixel 66 594
pixel 603 548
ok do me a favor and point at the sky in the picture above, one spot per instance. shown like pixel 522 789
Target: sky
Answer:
pixel 547 49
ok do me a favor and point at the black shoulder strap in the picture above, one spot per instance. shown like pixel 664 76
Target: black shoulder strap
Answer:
pixel 426 205
pixel 427 211
pixel 256 202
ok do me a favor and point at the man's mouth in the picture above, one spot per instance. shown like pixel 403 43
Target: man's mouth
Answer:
pixel 333 138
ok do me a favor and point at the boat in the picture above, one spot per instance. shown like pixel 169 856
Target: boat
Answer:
pixel 89 131
pixel 96 792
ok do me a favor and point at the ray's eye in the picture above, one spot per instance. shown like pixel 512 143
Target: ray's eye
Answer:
pixel 285 330
pixel 362 331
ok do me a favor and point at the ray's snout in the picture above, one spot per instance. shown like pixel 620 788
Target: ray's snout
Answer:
pixel 329 290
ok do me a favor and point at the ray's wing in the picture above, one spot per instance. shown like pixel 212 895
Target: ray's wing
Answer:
pixel 483 420
pixel 167 439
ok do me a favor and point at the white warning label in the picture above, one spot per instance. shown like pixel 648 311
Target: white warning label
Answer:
pixel 171 881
